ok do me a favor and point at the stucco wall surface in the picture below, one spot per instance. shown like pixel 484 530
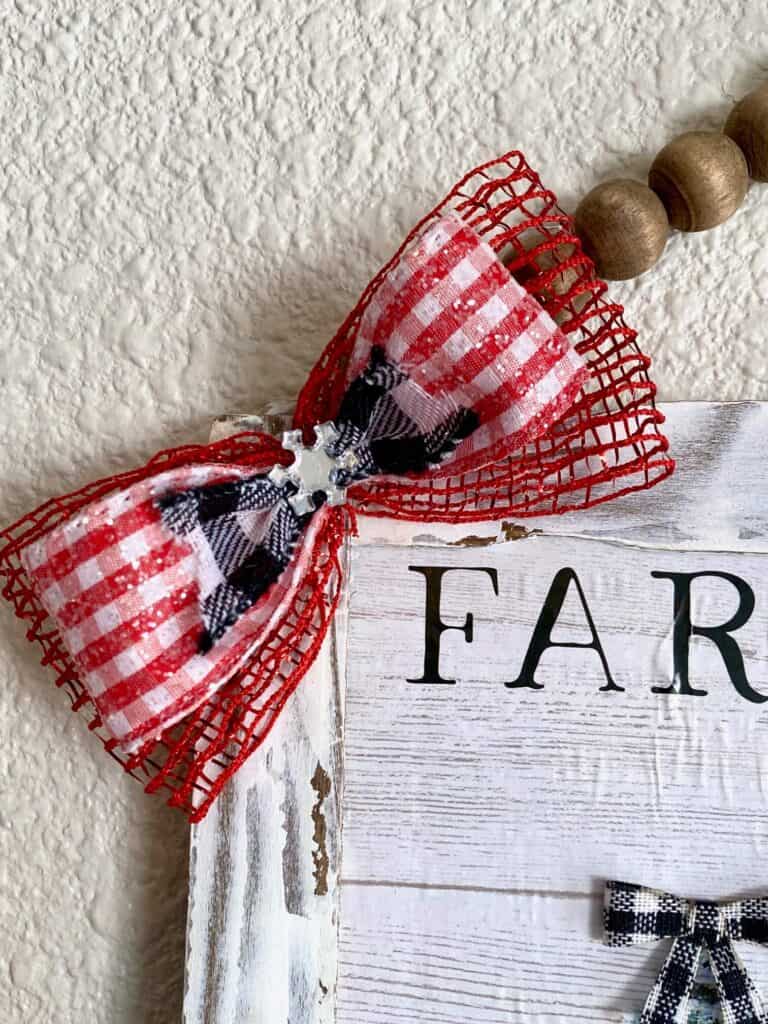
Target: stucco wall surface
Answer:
pixel 192 194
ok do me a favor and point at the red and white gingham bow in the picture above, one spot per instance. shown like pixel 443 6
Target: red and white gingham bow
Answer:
pixel 444 336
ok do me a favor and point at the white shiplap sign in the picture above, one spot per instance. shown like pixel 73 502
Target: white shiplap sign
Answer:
pixel 603 714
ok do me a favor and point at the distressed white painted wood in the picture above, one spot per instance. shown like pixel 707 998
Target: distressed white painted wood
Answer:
pixel 470 767
pixel 480 821
pixel 463 956
pixel 265 862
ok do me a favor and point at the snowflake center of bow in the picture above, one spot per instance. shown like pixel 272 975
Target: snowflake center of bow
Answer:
pixel 314 469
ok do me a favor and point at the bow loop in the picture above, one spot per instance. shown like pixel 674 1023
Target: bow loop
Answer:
pixel 708 922
pixel 746 920
pixel 634 914
pixel 467 337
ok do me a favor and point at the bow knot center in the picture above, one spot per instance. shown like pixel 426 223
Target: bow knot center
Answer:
pixel 706 921
pixel 315 470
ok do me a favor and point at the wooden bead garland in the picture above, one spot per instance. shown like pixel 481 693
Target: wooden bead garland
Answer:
pixel 747 125
pixel 623 228
pixel 697 181
pixel 702 178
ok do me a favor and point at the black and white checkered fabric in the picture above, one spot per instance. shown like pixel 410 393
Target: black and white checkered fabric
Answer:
pixel 385 418
pixel 244 532
pixel 634 914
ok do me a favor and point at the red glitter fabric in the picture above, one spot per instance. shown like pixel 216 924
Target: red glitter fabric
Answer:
pixel 607 444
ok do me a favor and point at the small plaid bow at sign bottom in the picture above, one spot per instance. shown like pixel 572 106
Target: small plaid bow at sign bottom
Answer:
pixel 634 914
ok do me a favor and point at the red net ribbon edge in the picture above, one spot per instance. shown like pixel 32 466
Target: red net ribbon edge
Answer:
pixel 192 761
pixel 609 444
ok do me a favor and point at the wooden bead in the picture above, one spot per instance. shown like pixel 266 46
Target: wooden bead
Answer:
pixel 747 125
pixel 544 261
pixel 702 178
pixel 623 227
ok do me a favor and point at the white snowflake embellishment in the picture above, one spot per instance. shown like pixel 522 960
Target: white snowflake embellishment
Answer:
pixel 313 469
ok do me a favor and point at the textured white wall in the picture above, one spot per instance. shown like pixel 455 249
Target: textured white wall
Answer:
pixel 192 194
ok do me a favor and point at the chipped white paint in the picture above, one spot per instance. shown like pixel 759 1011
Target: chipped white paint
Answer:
pixel 264 872
pixel 480 821
pixel 192 195
pixel 265 863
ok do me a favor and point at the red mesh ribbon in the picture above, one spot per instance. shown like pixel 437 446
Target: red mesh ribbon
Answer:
pixel 608 444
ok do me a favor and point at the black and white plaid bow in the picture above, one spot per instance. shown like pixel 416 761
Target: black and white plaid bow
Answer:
pixel 634 914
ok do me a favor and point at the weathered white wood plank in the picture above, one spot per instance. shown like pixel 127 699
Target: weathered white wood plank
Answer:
pixel 481 821
pixel 426 956
pixel 264 873
pixel 265 864
pixel 481 785
pixel 707 503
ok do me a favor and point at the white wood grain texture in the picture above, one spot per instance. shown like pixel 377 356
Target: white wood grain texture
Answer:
pixel 708 503
pixel 547 790
pixel 481 822
pixel 413 955
pixel 265 862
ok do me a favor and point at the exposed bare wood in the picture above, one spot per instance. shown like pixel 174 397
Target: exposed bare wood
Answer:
pixel 265 862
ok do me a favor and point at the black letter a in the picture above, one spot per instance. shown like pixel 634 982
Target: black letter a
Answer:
pixel 542 634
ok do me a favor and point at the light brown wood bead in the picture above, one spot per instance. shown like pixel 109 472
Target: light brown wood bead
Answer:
pixel 623 227
pixel 560 284
pixel 546 260
pixel 702 178
pixel 747 125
